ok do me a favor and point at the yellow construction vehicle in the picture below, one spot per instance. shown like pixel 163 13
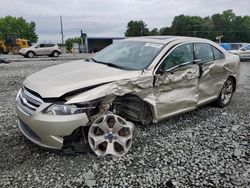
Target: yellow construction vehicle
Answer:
pixel 12 44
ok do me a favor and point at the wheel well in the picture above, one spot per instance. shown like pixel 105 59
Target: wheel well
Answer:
pixel 55 51
pixel 234 80
pixel 133 108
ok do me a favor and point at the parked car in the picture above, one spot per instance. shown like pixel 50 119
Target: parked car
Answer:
pixel 243 52
pixel 232 46
pixel 143 80
pixel 51 50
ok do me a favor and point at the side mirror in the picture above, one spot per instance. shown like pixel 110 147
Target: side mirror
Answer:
pixel 243 49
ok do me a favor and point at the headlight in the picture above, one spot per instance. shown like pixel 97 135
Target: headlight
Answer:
pixel 64 109
pixel 58 109
pixel 70 109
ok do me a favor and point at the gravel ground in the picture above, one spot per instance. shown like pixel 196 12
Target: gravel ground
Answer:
pixel 208 147
pixel 62 57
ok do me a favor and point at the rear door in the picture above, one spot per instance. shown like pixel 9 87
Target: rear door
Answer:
pixel 212 72
pixel 176 82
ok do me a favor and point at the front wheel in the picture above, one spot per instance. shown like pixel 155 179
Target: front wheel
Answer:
pixel 226 93
pixel 30 54
pixel 110 134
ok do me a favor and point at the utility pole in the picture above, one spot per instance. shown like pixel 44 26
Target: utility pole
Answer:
pixel 61 30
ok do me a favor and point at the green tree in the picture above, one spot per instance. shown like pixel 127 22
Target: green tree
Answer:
pixel 136 28
pixel 241 28
pixel 187 25
pixel 223 24
pixel 207 29
pixel 69 42
pixel 233 28
pixel 154 32
pixel 165 31
pixel 20 26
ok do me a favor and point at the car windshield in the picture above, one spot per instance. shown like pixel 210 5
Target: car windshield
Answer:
pixel 134 55
pixel 35 45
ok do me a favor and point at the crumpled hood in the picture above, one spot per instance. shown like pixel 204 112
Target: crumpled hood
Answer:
pixel 58 80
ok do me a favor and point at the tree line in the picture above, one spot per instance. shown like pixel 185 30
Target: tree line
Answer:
pixel 230 27
pixel 19 26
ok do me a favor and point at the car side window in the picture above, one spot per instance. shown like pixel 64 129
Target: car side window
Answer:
pixel 217 54
pixel 203 52
pixel 180 55
pixel 48 45
pixel 41 46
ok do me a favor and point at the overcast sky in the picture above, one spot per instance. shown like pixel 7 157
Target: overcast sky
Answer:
pixel 109 17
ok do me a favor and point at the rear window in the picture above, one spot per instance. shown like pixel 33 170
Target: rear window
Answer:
pixel 217 54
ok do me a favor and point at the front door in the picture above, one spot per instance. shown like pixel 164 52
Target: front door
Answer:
pixel 39 49
pixel 176 82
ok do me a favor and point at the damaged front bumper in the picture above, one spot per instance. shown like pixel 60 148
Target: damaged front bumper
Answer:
pixel 48 130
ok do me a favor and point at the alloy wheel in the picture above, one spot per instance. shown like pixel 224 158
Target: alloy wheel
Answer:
pixel 110 134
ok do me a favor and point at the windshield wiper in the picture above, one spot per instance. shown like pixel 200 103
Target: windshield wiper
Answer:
pixel 93 60
pixel 111 65
pixel 117 66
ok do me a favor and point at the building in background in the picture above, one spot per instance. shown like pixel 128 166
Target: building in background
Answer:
pixel 95 44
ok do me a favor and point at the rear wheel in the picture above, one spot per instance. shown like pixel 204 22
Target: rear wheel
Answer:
pixel 30 54
pixel 55 54
pixel 226 93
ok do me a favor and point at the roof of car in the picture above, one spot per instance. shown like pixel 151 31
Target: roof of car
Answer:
pixel 166 39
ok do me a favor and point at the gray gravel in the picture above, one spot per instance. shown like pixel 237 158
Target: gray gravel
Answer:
pixel 208 147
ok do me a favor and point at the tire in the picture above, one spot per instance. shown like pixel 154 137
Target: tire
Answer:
pixel 30 54
pixel 226 93
pixel 55 54
pixel 110 134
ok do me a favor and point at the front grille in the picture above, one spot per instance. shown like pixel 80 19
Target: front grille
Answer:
pixel 28 102
pixel 28 131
